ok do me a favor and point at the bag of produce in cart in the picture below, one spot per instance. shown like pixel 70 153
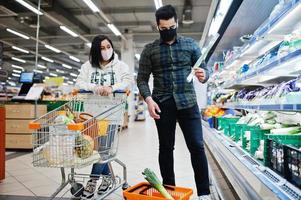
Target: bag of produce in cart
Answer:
pixel 60 148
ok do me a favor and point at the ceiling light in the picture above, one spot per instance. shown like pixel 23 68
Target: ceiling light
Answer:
pixel 59 71
pixel 53 74
pixel 67 30
pixel 30 7
pixel 18 34
pixel 66 78
pixel 74 75
pixel 219 16
pixel 74 58
pixel 19 49
pixel 67 66
pixel 17 71
pixel 47 59
pixel 15 75
pixel 38 71
pixel 18 59
pixel 89 44
pixel 17 67
pixel 158 3
pixel 114 29
pixel 65 84
pixel 42 66
pixel 9 78
pixel 78 70
pixel 70 82
pixel 91 5
pixel 53 48
pixel 74 80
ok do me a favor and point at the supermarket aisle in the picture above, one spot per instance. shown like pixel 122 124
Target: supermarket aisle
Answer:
pixel 138 149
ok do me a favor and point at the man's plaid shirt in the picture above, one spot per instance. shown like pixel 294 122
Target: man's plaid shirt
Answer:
pixel 170 66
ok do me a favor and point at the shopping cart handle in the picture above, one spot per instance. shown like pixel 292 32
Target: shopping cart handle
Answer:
pixel 85 92
pixel 119 91
pixel 90 92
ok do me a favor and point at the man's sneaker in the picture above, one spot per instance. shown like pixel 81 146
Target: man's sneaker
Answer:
pixel 105 185
pixel 89 189
pixel 204 197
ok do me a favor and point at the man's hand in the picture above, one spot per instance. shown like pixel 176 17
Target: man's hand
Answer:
pixel 200 74
pixel 152 108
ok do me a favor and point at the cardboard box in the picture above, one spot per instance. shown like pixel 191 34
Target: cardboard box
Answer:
pixel 17 141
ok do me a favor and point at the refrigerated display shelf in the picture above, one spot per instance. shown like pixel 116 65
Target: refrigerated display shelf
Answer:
pixel 278 107
pixel 269 27
pixel 249 177
pixel 277 64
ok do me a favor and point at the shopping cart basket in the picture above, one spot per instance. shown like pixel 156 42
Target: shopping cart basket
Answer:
pixel 77 134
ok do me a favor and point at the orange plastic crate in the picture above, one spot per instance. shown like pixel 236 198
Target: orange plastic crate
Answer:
pixel 143 191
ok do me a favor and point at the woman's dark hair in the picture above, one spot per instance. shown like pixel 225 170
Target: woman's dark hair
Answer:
pixel 95 56
pixel 166 12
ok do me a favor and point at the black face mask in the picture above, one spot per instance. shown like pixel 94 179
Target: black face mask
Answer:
pixel 168 34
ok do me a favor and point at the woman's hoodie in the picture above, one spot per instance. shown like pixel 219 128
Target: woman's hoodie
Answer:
pixel 115 74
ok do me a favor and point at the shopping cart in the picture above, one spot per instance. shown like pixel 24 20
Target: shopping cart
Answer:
pixel 77 134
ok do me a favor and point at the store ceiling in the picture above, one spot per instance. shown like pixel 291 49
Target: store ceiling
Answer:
pixel 132 16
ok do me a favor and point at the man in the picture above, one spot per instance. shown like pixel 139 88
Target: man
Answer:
pixel 170 60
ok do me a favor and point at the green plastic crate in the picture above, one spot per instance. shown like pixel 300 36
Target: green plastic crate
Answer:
pixel 257 134
pixel 229 124
pixel 51 105
pixel 245 140
pixel 238 131
pixel 221 123
pixel 293 140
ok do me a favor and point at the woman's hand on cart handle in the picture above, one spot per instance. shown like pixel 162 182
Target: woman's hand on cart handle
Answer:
pixel 106 90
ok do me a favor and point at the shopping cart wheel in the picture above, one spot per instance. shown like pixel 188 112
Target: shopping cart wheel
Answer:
pixel 125 186
pixel 77 189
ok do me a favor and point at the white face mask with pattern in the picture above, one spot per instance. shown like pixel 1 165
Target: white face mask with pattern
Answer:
pixel 107 54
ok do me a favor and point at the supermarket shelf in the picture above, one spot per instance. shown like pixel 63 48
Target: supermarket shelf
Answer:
pixel 281 24
pixel 250 178
pixel 286 66
pixel 280 107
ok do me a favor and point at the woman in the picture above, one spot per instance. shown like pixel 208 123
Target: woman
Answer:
pixel 103 74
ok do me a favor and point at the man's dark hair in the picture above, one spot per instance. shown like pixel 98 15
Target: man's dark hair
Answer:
pixel 165 13
pixel 95 53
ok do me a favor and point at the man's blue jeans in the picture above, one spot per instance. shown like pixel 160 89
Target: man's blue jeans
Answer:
pixel 190 123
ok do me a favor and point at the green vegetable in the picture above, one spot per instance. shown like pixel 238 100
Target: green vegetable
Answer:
pixel 151 177
pixel 267 126
pixel 297 130
pixel 271 121
pixel 290 130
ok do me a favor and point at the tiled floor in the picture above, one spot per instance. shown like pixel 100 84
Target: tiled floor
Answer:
pixel 138 149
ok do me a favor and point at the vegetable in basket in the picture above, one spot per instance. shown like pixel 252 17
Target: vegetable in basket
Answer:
pixel 290 130
pixel 151 177
pixel 84 146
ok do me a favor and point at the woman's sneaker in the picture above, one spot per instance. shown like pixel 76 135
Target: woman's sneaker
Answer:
pixel 106 184
pixel 89 189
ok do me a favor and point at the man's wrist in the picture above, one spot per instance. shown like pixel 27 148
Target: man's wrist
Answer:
pixel 148 99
